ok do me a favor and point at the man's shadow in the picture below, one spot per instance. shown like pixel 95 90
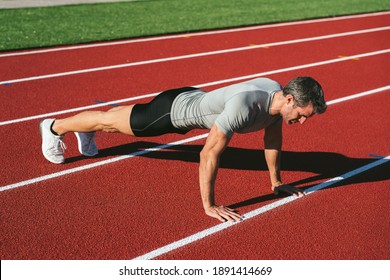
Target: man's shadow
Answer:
pixel 325 165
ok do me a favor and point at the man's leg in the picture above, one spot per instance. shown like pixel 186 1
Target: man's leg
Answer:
pixel 84 125
pixel 151 119
pixel 114 120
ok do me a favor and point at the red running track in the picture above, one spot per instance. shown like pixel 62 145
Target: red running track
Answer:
pixel 128 208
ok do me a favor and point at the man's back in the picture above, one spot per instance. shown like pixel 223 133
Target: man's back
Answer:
pixel 241 108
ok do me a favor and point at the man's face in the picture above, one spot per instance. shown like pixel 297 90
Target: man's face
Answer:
pixel 293 114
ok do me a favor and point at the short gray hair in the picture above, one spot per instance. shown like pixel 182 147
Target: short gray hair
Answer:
pixel 306 90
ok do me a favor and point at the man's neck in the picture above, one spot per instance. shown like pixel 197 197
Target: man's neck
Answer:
pixel 277 103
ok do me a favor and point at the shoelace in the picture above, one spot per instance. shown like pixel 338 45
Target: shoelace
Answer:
pixel 59 147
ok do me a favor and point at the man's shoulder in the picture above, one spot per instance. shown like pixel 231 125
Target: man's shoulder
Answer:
pixel 265 84
pixel 259 89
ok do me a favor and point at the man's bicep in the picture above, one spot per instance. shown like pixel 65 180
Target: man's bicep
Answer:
pixel 224 125
pixel 216 141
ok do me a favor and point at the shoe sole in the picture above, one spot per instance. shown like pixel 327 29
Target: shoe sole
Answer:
pixel 43 151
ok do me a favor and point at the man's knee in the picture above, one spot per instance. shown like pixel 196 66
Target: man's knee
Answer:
pixel 117 120
pixel 107 121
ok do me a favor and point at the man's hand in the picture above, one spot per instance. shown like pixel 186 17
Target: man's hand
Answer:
pixel 288 189
pixel 223 213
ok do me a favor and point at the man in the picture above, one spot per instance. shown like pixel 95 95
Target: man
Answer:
pixel 244 107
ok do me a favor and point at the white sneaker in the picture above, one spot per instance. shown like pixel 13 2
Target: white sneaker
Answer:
pixel 86 143
pixel 52 146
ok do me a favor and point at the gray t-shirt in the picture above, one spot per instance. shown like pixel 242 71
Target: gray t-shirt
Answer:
pixel 240 108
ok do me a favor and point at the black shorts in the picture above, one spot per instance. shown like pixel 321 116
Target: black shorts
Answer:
pixel 154 118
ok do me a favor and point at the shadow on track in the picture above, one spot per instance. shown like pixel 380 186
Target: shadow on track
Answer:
pixel 326 165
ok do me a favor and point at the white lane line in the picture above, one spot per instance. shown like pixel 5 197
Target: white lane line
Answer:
pixel 338 100
pixel 76 109
pixel 193 34
pixel 181 57
pixel 146 151
pixel 202 234
pixel 315 64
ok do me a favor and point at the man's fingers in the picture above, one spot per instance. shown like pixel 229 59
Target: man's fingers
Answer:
pixel 227 218
pixel 224 214
pixel 227 208
pixel 290 190
pixel 214 214
pixel 299 193
pixel 229 214
pixel 219 217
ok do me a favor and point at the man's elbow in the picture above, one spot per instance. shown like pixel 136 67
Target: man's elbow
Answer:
pixel 207 154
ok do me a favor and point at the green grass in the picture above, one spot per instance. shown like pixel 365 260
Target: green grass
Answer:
pixel 40 27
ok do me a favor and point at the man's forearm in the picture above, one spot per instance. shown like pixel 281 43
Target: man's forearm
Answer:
pixel 272 151
pixel 273 161
pixel 272 157
pixel 216 142
pixel 208 169
pixel 209 163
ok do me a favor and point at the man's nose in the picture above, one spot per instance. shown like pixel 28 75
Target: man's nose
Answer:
pixel 302 119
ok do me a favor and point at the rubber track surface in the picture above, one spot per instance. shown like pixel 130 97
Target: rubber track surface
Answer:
pixel 125 209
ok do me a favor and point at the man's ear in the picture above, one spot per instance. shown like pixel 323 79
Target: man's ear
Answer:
pixel 290 99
